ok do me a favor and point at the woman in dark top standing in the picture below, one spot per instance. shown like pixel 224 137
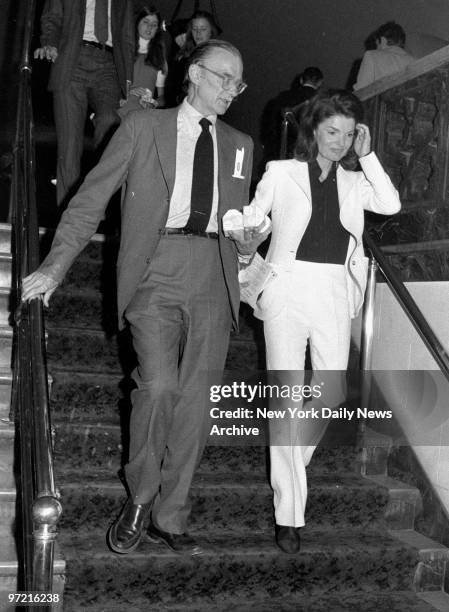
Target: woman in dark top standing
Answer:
pixel 150 64
pixel 317 202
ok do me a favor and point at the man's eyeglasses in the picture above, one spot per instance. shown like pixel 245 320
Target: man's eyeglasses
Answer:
pixel 227 82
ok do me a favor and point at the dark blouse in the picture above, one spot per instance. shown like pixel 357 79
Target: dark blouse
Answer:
pixel 325 239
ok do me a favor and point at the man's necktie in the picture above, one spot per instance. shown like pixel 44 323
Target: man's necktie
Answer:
pixel 101 20
pixel 202 180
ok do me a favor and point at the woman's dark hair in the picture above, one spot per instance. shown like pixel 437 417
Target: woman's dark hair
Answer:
pixel 189 44
pixel 323 105
pixel 156 49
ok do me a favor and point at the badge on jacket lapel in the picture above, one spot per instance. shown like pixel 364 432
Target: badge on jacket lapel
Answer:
pixel 238 164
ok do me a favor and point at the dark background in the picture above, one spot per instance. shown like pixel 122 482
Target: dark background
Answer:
pixel 277 40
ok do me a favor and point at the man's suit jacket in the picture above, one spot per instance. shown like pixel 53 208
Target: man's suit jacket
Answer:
pixel 142 153
pixel 62 26
pixel 285 191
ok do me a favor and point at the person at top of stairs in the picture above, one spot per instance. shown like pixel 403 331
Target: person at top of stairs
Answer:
pixel 388 57
pixel 317 201
pixel 91 47
pixel 177 280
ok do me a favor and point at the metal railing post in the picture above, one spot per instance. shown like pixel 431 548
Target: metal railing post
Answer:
pixel 284 136
pixel 366 349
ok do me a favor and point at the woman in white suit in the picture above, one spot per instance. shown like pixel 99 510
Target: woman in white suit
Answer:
pixel 317 202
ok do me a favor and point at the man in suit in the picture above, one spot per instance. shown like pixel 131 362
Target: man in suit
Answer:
pixel 177 279
pixel 91 44
pixel 304 86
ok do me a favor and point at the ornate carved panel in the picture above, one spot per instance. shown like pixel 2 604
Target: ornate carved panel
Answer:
pixel 410 132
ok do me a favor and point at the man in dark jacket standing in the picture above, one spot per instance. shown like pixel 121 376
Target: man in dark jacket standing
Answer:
pixel 304 86
pixel 91 45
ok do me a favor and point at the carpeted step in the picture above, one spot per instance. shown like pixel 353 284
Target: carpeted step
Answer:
pixel 5 269
pixel 83 307
pixel 330 561
pixel 5 238
pixel 5 392
pixel 350 601
pixel 7 433
pixel 94 448
pixel 223 504
pixel 5 346
pixel 91 396
pixel 5 297
pixel 93 351
pixel 87 397
pixel 7 508
pixel 103 447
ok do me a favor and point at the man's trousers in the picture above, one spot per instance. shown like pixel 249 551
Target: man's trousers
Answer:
pixel 180 319
pixel 94 84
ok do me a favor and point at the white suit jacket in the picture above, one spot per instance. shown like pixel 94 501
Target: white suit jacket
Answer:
pixel 285 191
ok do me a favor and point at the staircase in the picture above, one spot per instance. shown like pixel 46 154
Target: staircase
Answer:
pixel 8 557
pixel 359 548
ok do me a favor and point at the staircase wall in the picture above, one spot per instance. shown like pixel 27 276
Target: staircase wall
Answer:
pixel 409 379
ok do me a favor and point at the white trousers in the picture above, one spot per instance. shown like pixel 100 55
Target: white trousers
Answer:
pixel 308 302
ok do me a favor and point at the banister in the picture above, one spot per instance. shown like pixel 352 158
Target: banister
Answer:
pixel 409 306
pixel 40 506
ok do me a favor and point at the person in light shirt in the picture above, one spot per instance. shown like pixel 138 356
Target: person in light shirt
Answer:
pixel 388 57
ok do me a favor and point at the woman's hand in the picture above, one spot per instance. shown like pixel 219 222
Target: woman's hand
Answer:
pixel 362 140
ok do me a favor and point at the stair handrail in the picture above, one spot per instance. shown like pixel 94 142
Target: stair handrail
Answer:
pixel 40 507
pixel 407 303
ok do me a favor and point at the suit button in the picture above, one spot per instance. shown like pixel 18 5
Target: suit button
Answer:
pixel 147 260
pixel 353 262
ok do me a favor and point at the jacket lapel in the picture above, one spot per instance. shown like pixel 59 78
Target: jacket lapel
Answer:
pixel 299 171
pixel 165 136
pixel 226 148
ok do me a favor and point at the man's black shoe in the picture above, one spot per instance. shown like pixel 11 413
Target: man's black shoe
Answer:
pixel 126 531
pixel 183 544
pixel 287 538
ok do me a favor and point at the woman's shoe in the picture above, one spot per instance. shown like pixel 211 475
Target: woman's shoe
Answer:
pixel 287 538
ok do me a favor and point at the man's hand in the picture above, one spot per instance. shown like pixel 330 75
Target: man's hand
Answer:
pixel 46 52
pixel 38 285
pixel 248 240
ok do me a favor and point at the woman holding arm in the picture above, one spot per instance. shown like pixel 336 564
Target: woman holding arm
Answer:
pixel 317 202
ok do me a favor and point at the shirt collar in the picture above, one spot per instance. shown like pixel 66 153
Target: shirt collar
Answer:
pixel 315 170
pixel 191 115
